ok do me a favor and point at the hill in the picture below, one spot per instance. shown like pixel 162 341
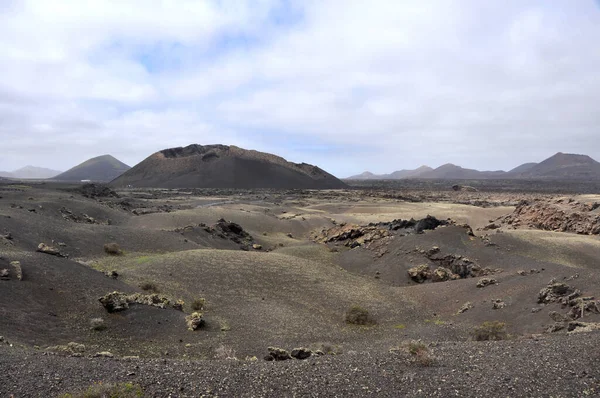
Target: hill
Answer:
pixel 222 166
pixel 450 171
pixel 32 172
pixel 565 166
pixel 101 168
pixel 523 168
pixel 396 175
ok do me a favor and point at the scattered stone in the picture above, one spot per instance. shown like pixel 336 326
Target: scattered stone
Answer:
pixel 498 304
pixel 289 235
pixel 277 354
pixel 466 306
pixel 556 327
pixel 301 353
pixel 4 274
pixel 178 305
pixel 194 320
pixel 483 282
pixel 104 354
pixel 71 349
pixel 442 274
pixel 256 246
pixel 44 248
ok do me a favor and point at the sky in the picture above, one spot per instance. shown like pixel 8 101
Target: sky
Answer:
pixel 348 85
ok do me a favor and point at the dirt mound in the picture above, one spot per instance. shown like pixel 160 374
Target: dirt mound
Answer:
pixel 561 215
pixel 221 166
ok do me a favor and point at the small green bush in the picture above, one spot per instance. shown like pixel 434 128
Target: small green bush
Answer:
pixel 420 353
pixel 149 287
pixel 198 304
pixel 100 390
pixel 113 249
pixel 357 315
pixel 490 330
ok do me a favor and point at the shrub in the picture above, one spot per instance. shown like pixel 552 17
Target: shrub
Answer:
pixel 357 315
pixel 149 287
pixel 100 390
pixel 198 304
pixel 97 324
pixel 420 353
pixel 490 330
pixel 113 249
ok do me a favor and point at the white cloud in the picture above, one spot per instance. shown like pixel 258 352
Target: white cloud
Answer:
pixel 475 83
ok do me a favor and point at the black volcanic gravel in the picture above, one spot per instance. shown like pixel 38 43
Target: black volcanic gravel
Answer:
pixel 565 366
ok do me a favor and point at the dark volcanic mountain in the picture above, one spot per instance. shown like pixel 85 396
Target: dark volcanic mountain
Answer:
pixel 222 166
pixel 101 168
pixel 565 166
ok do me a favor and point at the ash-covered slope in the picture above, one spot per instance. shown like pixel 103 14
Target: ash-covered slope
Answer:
pixel 222 166
pixel 102 168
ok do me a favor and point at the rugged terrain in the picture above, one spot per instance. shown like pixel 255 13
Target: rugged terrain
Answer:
pixel 222 166
pixel 426 270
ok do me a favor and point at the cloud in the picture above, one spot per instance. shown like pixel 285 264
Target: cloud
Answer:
pixel 350 86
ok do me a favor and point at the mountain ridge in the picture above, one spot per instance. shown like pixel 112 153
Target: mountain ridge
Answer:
pixel 558 166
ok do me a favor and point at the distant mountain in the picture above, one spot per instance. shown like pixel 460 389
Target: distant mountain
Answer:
pixel 416 173
pixel 102 168
pixel 564 166
pixel 222 166
pixel 451 171
pixel 396 175
pixel 523 168
pixel 367 175
pixel 31 172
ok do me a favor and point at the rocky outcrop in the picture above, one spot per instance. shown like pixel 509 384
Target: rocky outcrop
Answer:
pixel 301 353
pixel 44 248
pixel 561 215
pixel 118 301
pixel 375 236
pixel 277 354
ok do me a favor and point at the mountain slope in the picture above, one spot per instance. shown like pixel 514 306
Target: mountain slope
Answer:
pixel 525 167
pixel 565 166
pixel 222 166
pixel 101 168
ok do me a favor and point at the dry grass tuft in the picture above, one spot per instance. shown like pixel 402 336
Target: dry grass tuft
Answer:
pixel 490 330
pixel 113 249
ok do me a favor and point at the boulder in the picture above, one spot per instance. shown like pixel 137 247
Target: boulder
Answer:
pixel 44 248
pixel 498 304
pixel 4 274
pixel 441 274
pixel 301 353
pixel 18 269
pixel 420 273
pixel 194 321
pixel 115 301
pixel 277 354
